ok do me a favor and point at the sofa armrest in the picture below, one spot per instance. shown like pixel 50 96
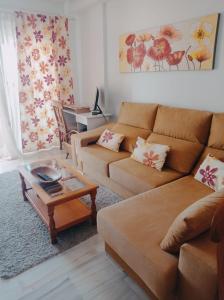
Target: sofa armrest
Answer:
pixel 85 138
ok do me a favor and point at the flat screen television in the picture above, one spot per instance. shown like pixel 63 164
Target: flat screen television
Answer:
pixel 97 110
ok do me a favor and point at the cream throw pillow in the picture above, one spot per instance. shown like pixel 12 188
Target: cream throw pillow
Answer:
pixel 210 171
pixel 110 140
pixel 151 155
pixel 191 222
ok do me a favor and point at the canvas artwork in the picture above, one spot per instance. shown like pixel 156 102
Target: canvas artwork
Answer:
pixel 188 45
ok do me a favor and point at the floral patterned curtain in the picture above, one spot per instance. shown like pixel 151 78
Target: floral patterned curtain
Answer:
pixel 44 75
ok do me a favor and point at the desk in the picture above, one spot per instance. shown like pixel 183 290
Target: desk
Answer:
pixel 85 121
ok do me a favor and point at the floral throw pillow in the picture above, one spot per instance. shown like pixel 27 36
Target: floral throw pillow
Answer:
pixel 151 155
pixel 211 173
pixel 110 140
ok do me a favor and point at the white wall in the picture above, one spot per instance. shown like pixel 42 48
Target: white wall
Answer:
pixel 33 5
pixel 201 89
pixel 89 45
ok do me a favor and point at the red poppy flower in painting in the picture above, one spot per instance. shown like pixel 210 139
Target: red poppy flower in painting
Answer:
pixel 160 49
pixel 175 58
pixel 130 39
pixel 130 55
pixel 135 56
pixel 33 136
pixel 170 32
pixel 49 79
pixel 208 175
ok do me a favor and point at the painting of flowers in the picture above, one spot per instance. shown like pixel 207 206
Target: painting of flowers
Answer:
pixel 188 45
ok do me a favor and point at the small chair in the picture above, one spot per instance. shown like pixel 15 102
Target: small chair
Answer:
pixel 64 133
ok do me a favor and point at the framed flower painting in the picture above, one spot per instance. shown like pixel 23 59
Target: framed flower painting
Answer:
pixel 188 45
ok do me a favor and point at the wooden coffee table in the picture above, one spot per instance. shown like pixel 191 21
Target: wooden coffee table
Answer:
pixel 66 209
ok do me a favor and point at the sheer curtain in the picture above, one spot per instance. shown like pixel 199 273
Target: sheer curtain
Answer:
pixel 10 133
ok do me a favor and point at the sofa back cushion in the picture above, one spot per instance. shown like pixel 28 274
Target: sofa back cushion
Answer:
pixel 182 155
pixel 215 141
pixel 216 138
pixel 140 115
pixel 186 124
pixel 131 134
pixel 185 131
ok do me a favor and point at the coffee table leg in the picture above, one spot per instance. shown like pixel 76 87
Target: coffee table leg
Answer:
pixel 24 188
pixel 93 207
pixel 53 232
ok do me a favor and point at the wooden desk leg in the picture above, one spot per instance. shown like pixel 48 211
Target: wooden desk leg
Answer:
pixel 53 232
pixel 24 188
pixel 93 207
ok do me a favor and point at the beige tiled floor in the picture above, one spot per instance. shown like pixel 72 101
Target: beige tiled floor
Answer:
pixel 82 273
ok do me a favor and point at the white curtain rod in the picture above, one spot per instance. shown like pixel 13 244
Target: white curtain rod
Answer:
pixel 35 12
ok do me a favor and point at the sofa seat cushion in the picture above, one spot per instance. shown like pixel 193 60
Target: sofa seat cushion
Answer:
pixel 198 270
pixel 138 178
pixel 98 158
pixel 135 227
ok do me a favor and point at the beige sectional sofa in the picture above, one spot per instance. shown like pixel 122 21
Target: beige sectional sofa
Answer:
pixel 133 229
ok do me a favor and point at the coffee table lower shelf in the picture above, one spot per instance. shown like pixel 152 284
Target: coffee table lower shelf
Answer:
pixel 65 215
